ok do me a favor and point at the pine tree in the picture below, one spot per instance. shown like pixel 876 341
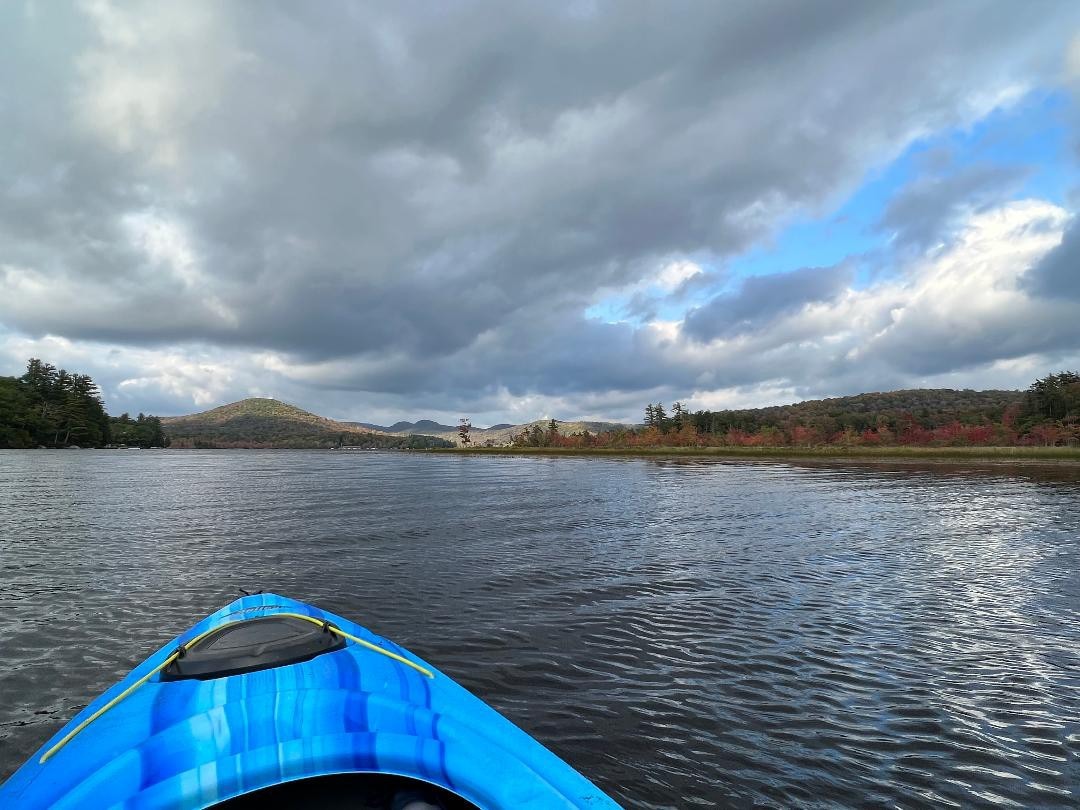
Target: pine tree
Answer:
pixel 678 414
pixel 660 418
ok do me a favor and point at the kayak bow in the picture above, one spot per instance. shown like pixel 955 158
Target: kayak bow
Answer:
pixel 269 691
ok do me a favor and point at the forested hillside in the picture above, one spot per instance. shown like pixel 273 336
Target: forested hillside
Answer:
pixel 929 408
pixel 267 423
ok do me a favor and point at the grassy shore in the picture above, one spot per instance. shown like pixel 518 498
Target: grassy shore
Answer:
pixel 954 454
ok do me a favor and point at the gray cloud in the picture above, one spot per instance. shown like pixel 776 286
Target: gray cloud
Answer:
pixel 761 298
pixel 922 213
pixel 426 199
pixel 1057 274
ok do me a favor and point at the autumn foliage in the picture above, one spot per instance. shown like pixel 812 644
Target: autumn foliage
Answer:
pixel 1047 414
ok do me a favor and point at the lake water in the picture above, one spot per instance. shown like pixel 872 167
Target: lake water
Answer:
pixel 685 633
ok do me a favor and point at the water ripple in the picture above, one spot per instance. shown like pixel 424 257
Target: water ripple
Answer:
pixel 686 633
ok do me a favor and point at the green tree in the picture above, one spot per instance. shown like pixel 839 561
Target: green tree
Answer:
pixel 1054 398
pixel 678 415
pixel 660 418
pixel 16 413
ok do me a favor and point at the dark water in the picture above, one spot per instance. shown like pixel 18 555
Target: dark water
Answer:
pixel 687 634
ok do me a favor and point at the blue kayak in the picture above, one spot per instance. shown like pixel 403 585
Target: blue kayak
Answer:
pixel 272 702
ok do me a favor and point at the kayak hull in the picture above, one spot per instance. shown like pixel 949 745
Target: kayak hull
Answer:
pixel 197 742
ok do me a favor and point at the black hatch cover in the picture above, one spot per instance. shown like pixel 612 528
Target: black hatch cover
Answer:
pixel 248 646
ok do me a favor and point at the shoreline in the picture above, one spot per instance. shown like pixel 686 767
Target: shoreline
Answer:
pixel 980 455
pixel 1016 456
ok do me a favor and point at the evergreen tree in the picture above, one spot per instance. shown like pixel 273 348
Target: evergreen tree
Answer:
pixel 16 413
pixel 1055 398
pixel 678 415
pixel 660 418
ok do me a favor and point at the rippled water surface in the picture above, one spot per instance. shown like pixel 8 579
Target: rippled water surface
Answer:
pixel 684 633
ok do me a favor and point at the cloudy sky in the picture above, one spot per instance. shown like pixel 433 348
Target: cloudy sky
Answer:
pixel 509 211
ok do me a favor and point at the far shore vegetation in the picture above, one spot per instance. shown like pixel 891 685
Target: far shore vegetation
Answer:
pixel 50 407
pixel 1042 422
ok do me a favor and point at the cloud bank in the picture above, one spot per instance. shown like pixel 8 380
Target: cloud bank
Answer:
pixel 414 211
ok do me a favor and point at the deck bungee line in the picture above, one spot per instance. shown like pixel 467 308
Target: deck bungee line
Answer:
pixel 71 734
pixel 373 647
pixel 188 645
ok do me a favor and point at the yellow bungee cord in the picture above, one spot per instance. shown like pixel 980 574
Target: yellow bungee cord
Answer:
pixel 183 648
pixel 367 644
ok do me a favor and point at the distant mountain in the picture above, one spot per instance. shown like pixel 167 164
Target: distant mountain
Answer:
pixel 425 426
pixel 368 426
pixel 496 434
pixel 428 426
pixel 260 422
pixel 503 433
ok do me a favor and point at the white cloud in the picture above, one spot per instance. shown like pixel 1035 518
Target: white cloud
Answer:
pixel 967 304
pixel 155 69
pixel 673 274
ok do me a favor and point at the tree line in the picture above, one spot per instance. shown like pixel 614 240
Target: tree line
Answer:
pixel 52 407
pixel 1046 414
pixel 142 431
